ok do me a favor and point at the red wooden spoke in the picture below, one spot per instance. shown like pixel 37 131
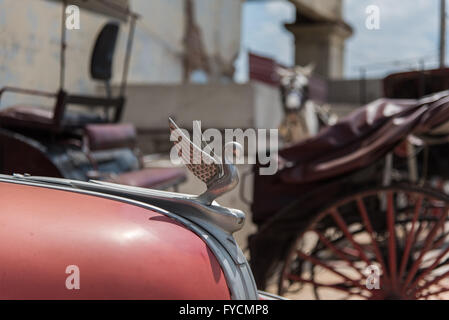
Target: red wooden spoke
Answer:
pixel 369 228
pixel 351 252
pixel 418 232
pixel 440 241
pixel 338 252
pixel 427 245
pixel 323 285
pixel 436 293
pixel 325 266
pixel 391 240
pixel 342 225
pixel 431 268
pixel 443 236
pixel 410 237
pixel 429 283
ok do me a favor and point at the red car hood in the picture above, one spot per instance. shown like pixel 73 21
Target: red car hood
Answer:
pixel 123 251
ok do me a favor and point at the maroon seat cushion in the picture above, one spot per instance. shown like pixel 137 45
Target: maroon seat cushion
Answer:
pixel 155 178
pixel 27 114
pixel 30 116
pixel 110 136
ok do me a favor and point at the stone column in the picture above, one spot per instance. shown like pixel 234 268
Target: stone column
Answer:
pixel 321 43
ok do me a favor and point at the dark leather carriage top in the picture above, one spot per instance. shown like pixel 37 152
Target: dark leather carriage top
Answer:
pixel 363 137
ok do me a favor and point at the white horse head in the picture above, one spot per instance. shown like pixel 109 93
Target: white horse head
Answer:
pixel 294 85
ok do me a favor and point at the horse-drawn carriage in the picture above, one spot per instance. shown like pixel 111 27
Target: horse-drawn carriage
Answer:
pixel 80 136
pixel 352 213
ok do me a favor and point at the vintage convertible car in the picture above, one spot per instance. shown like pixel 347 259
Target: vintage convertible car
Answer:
pixel 68 239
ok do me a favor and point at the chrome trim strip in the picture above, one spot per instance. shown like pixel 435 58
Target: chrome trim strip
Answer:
pixel 270 296
pixel 235 267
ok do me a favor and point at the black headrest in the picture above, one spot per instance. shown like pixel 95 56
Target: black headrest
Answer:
pixel 103 52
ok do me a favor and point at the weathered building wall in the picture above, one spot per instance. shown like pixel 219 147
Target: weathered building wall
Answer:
pixel 257 105
pixel 355 92
pixel 30 39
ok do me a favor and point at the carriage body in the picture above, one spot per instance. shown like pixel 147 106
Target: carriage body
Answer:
pixel 80 136
pixel 339 207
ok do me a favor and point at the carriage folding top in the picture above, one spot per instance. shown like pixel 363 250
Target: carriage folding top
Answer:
pixel 363 137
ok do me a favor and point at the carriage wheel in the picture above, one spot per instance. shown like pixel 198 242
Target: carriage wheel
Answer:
pixel 387 243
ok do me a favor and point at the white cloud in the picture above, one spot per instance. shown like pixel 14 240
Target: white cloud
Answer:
pixel 280 10
pixel 409 30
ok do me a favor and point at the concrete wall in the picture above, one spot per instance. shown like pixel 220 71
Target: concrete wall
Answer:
pixel 251 105
pixel 220 106
pixel 350 91
pixel 30 38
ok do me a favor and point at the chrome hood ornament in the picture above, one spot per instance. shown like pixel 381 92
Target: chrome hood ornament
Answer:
pixel 219 174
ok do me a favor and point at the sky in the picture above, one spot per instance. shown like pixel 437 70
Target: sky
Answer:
pixel 407 38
